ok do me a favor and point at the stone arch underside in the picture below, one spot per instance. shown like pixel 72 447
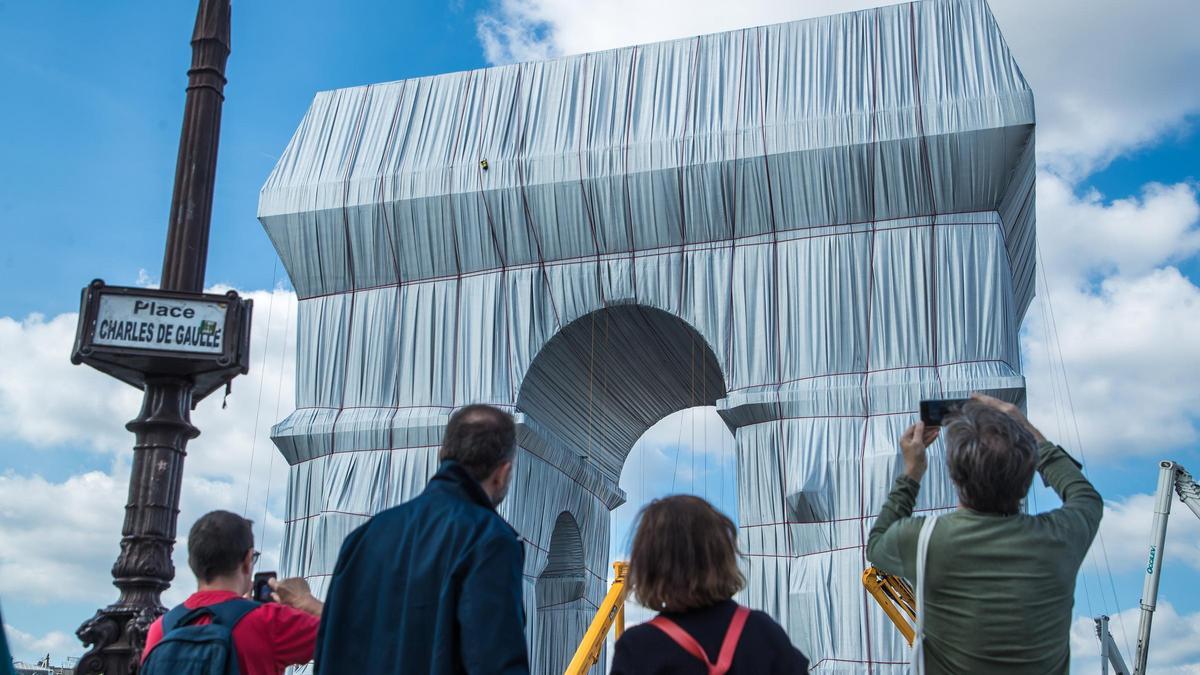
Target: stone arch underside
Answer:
pixel 563 610
pixel 562 579
pixel 607 377
pixel 839 209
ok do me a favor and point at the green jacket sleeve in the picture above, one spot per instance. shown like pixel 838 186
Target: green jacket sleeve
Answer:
pixel 892 543
pixel 1078 519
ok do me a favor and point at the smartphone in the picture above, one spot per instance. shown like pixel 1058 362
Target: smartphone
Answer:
pixel 262 591
pixel 935 411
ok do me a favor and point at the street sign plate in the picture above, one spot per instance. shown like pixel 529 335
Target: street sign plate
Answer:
pixel 162 324
pixel 138 333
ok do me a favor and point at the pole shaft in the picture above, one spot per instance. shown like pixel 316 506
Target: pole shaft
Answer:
pixel 196 167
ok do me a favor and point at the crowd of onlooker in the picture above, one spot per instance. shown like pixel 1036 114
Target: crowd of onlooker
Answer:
pixel 435 585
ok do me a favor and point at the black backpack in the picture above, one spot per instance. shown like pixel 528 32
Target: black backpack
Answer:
pixel 187 649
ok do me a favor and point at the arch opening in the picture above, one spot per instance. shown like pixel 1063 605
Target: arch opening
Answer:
pixel 691 451
pixel 562 580
pixel 599 384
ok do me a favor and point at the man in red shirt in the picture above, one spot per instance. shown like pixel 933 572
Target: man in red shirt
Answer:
pixel 270 637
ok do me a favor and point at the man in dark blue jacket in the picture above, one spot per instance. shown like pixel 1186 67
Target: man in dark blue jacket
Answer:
pixel 434 585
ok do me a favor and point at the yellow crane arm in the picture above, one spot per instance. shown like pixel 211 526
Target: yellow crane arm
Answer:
pixel 896 598
pixel 611 611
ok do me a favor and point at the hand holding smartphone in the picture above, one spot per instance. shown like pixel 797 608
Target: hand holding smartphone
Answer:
pixel 935 411
pixel 262 590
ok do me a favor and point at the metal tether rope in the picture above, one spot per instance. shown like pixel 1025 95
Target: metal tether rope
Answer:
pixel 591 380
pixel 283 354
pixel 261 381
pixel 704 422
pixel 1082 456
pixel 691 413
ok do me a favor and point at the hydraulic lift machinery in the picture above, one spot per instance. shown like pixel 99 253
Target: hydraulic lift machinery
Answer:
pixel 611 612
pixel 1171 477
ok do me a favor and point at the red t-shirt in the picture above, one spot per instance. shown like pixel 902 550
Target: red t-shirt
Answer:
pixel 268 639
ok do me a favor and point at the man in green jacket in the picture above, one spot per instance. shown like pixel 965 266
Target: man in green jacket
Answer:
pixel 1000 583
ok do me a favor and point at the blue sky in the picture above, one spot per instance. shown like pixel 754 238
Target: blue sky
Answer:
pixel 90 151
pixel 90 136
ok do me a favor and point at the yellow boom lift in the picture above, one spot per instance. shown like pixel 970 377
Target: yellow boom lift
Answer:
pixel 896 598
pixel 610 612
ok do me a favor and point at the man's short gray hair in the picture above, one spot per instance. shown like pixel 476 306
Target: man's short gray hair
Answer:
pixel 991 458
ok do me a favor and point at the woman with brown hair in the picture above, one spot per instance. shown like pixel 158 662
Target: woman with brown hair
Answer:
pixel 684 564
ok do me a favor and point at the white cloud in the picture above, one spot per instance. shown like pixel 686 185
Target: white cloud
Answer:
pixel 1131 350
pixel 1127 322
pixel 1126 532
pixel 1129 328
pixel 1109 76
pixel 1174 649
pixel 50 532
pixel 45 401
pixel 55 643
pixel 70 529
pixel 524 30
pixel 1085 236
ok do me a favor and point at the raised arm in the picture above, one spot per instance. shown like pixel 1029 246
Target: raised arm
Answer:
pixel 891 539
pixel 1082 508
pixel 1079 517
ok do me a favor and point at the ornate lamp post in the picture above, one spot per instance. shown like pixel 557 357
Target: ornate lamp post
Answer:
pixel 174 370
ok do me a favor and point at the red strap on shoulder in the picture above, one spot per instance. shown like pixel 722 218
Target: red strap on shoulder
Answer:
pixel 732 635
pixel 681 637
pixel 728 646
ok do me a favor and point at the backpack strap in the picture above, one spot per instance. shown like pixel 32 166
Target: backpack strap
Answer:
pixel 227 613
pixel 681 637
pixel 732 635
pixel 230 612
pixel 685 640
pixel 175 617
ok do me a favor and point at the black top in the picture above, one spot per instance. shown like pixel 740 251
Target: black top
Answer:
pixel 764 647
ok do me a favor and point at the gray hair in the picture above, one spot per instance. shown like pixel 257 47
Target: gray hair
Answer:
pixel 991 458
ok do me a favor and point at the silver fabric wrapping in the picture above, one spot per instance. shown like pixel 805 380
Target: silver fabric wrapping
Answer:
pixel 810 225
